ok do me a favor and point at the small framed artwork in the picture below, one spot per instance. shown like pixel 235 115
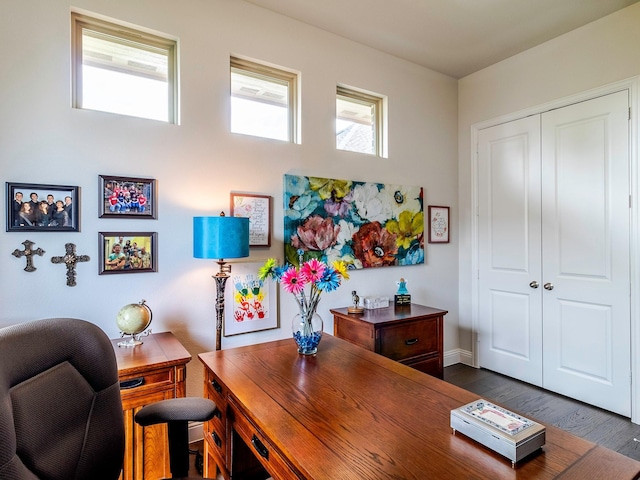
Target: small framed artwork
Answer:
pixel 257 208
pixel 127 197
pixel 251 305
pixel 127 252
pixel 438 224
pixel 42 208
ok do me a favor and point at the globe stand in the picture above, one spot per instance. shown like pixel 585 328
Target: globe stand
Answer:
pixel 133 320
pixel 134 340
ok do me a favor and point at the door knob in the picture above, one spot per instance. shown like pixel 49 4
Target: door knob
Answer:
pixel 548 286
pixel 534 284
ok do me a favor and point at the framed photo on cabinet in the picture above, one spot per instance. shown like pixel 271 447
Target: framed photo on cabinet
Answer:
pixel 438 224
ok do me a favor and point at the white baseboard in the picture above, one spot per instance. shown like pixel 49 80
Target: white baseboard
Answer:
pixel 196 431
pixel 458 356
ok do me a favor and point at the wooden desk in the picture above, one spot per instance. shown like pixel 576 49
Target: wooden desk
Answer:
pixel 157 371
pixel 411 334
pixel 348 413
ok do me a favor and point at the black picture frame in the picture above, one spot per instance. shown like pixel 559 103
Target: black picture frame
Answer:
pixel 40 215
pixel 145 244
pixel 127 197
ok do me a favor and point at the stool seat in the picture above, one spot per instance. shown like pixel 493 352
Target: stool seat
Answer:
pixel 189 409
pixel 177 413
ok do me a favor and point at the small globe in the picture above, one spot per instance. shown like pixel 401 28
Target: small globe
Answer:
pixel 134 318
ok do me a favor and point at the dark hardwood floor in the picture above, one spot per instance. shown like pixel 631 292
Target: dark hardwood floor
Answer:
pixel 591 423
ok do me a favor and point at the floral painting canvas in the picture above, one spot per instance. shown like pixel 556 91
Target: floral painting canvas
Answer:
pixel 363 224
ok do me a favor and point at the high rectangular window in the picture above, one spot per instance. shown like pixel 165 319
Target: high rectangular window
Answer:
pixel 263 101
pixel 359 121
pixel 123 70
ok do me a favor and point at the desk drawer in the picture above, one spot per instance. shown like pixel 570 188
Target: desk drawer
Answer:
pixel 216 428
pixel 215 431
pixel 264 451
pixel 135 388
pixel 409 339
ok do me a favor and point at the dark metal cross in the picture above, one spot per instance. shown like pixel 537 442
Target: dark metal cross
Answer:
pixel 28 252
pixel 70 259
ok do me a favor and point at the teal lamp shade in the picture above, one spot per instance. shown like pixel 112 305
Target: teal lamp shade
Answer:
pixel 220 237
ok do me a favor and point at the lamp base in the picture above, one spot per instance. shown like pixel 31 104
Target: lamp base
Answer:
pixel 221 281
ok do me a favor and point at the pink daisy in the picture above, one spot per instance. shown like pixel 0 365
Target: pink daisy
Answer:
pixel 312 270
pixel 293 281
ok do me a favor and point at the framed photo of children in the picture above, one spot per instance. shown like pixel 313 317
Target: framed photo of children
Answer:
pixel 127 197
pixel 438 224
pixel 127 252
pixel 36 207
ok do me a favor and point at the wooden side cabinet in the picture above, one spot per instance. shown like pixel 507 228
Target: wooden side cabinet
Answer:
pixel 411 334
pixel 153 371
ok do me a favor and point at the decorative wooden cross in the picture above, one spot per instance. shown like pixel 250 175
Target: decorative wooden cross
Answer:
pixel 28 252
pixel 70 259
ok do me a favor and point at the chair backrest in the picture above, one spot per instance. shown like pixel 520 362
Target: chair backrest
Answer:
pixel 60 407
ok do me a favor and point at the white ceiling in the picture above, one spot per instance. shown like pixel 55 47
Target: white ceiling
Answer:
pixel 454 37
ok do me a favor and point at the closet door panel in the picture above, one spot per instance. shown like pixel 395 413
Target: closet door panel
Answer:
pixel 585 252
pixel 510 329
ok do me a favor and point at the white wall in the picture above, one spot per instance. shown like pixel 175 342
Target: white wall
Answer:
pixel 597 54
pixel 197 164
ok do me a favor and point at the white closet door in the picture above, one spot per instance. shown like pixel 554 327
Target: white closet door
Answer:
pixel 585 237
pixel 510 310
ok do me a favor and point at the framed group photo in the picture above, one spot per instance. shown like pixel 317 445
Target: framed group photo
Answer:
pixel 251 305
pixel 127 197
pixel 127 252
pixel 36 207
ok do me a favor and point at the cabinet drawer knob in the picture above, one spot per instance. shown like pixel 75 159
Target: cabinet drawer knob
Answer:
pixel 411 341
pixel 131 383
pixel 218 414
pixel 216 439
pixel 216 386
pixel 260 448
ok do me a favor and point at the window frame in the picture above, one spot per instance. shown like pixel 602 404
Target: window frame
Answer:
pixel 378 102
pixel 273 74
pixel 125 35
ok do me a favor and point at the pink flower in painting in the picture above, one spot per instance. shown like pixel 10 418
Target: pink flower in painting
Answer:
pixel 316 233
pixel 293 281
pixel 312 270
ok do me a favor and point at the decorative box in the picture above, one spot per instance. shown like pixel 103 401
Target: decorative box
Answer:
pixel 375 302
pixel 504 432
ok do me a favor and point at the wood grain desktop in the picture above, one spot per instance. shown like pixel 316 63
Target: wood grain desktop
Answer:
pixel 349 413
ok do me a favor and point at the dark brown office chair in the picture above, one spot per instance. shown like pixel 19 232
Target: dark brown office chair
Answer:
pixel 60 408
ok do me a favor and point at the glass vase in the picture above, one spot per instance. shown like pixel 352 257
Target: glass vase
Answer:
pixel 307 332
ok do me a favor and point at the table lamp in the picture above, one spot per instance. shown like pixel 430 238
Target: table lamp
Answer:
pixel 220 238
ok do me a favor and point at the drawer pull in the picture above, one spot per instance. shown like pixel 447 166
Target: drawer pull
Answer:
pixel 411 341
pixel 216 439
pixel 260 448
pixel 216 386
pixel 218 414
pixel 132 383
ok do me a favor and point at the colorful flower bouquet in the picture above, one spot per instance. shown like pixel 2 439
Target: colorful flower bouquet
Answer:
pixel 320 277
